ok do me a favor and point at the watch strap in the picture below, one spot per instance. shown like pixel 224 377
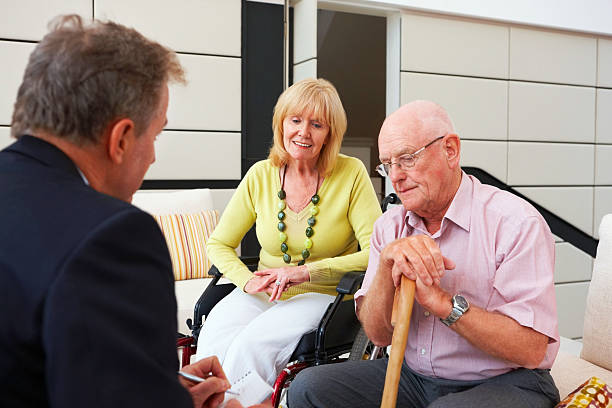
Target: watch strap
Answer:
pixel 460 306
pixel 454 315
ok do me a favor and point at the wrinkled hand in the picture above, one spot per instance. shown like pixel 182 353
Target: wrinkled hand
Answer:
pixel 260 284
pixel 416 257
pixel 419 258
pixel 210 393
pixel 281 279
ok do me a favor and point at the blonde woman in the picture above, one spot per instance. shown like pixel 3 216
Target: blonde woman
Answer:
pixel 314 210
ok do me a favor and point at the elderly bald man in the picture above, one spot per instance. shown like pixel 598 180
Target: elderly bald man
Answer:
pixel 484 324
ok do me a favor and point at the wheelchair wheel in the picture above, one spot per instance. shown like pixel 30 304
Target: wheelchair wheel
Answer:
pixel 360 346
pixel 364 349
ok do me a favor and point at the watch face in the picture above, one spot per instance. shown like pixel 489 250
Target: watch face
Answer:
pixel 461 302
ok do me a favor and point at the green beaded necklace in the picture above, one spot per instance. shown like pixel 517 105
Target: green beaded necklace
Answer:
pixel 311 222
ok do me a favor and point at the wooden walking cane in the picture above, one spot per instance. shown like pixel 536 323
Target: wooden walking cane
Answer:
pixel 400 320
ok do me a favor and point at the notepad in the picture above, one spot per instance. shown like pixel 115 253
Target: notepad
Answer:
pixel 251 389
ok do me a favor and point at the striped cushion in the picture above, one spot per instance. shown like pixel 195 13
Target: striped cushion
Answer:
pixel 186 236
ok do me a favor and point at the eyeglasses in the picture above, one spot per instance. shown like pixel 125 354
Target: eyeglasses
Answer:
pixel 404 162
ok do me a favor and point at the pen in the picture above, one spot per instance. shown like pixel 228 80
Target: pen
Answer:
pixel 197 379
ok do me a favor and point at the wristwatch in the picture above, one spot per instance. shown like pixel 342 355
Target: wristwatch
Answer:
pixel 460 306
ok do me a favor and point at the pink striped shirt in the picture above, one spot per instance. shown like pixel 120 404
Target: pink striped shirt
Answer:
pixel 504 252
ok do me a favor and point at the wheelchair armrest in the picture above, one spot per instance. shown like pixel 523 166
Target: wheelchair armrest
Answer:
pixel 348 285
pixel 350 282
pixel 215 273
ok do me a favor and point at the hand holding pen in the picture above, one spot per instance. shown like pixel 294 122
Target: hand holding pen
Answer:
pixel 209 389
pixel 196 379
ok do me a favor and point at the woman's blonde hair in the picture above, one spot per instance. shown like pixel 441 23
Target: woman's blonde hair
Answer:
pixel 320 98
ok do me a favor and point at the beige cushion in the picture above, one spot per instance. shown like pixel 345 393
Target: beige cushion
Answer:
pixel 570 371
pixel 173 202
pixel 597 334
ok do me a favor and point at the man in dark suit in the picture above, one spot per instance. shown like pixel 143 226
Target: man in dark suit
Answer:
pixel 87 307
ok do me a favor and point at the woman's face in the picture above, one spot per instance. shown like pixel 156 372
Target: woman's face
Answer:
pixel 304 136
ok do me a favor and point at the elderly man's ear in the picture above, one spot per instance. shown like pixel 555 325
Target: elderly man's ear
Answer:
pixel 120 137
pixel 452 147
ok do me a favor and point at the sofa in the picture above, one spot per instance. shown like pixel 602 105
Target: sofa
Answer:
pixel 577 362
pixel 198 209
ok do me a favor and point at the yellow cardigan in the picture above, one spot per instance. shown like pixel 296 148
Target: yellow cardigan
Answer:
pixel 347 211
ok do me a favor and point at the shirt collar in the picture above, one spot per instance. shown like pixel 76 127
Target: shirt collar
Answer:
pixel 82 175
pixel 459 212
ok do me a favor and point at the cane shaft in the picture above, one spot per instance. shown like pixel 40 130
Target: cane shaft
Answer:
pixel 402 305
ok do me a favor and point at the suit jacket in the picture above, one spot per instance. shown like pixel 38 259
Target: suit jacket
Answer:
pixel 87 306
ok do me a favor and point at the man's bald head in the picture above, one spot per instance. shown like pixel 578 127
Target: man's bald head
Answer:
pixel 421 120
pixel 427 184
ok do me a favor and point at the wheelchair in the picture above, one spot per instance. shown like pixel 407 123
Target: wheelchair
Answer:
pixel 338 337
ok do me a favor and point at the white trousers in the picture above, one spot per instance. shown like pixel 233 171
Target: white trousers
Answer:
pixel 246 332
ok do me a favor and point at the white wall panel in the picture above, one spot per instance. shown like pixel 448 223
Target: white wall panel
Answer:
pixel 604 115
pixel 603 165
pixel 304 30
pixel 604 62
pixel 28 19
pixel 196 156
pixel 571 304
pixel 5 137
pixel 211 99
pixel 207 27
pixel 542 112
pixel 452 46
pixel 550 164
pixel 573 204
pixel 477 107
pixel 489 156
pixel 14 57
pixel 603 206
pixel 305 70
pixel 571 264
pixel 552 57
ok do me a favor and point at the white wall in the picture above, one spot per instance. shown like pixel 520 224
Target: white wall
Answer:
pixel 531 107
pixel 591 16
pixel 202 139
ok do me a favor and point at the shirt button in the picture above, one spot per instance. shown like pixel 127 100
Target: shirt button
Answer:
pixel 423 351
pixel 426 313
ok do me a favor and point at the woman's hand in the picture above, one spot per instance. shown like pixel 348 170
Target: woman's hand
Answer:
pixel 281 279
pixel 209 393
pixel 260 284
